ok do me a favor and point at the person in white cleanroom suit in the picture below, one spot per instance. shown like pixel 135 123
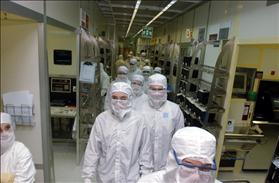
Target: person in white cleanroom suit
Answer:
pixel 105 83
pixel 157 70
pixel 163 116
pixel 104 80
pixel 16 160
pixel 119 147
pixel 146 71
pixel 119 62
pixel 137 86
pixel 122 76
pixel 133 68
pixel 142 58
pixel 190 160
pixel 145 62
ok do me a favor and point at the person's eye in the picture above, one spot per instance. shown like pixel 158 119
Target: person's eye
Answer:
pixel 204 169
pixel 7 127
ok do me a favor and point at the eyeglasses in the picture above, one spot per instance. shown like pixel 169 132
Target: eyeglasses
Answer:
pixel 204 168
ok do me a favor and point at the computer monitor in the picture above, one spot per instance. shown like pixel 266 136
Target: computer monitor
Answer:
pixel 240 83
pixel 62 57
pixel 267 104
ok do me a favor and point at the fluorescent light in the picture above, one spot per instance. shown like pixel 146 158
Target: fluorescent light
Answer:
pixel 133 16
pixel 138 33
pixel 159 14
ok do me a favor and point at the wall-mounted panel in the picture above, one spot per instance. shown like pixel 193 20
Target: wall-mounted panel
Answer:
pixel 61 40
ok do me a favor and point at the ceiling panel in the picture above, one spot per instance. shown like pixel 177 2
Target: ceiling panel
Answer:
pixel 161 3
pixel 122 11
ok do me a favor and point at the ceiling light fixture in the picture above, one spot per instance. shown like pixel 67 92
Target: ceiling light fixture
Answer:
pixel 133 16
pixel 159 14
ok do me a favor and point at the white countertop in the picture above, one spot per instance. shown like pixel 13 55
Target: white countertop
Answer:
pixel 66 112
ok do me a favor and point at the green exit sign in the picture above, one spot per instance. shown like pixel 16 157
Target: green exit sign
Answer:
pixel 147 32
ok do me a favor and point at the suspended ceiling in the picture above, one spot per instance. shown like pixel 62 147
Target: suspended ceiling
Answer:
pixel 120 13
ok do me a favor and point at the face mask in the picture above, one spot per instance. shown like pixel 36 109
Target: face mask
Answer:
pixel 133 67
pixel 157 98
pixel 120 107
pixel 7 140
pixel 137 89
pixel 146 75
pixel 122 77
pixel 193 175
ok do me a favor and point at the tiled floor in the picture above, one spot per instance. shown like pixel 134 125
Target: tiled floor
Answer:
pixel 67 171
pixel 65 167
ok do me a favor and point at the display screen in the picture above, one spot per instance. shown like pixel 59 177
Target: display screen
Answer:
pixel 240 81
pixel 62 57
pixel 267 102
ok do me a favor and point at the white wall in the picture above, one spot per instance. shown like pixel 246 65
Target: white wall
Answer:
pixel 68 12
pixel 19 71
pixel 248 20
pixel 64 11
pixel 96 21
pixel 61 39
pixel 37 6
pixel 258 21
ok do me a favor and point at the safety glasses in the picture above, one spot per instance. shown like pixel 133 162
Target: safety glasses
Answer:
pixel 204 168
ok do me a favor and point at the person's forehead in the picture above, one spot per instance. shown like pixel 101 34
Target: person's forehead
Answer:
pixel 119 94
pixel 137 81
pixel 156 86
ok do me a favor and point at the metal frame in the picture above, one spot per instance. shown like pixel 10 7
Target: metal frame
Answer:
pixel 17 9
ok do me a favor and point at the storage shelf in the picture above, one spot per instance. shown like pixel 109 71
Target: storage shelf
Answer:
pixel 265 123
pixel 184 81
pixel 186 68
pixel 181 94
pixel 235 135
pixel 205 124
